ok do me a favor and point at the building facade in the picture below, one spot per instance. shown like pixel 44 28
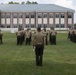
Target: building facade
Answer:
pixel 35 15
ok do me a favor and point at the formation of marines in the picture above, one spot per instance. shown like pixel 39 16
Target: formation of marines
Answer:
pixel 27 36
pixel 72 34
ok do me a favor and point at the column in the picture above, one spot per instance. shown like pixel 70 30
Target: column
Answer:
pixel 11 21
pixel 54 19
pixel 66 19
pixel 59 20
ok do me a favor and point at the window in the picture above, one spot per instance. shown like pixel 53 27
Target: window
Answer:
pixel 51 25
pixel 50 15
pixel 62 15
pixel 57 15
pixel 62 25
pixel 15 25
pixel 45 25
pixel 39 25
pixel 69 25
pixel 8 25
pixel 69 15
pixel 39 15
pixel 2 26
pixel 57 25
pixel 27 15
pixel 2 15
pixel 32 16
pixel 20 25
pixel 20 15
pixel 8 15
pixel 32 25
pixel 45 15
pixel 14 15
pixel 27 25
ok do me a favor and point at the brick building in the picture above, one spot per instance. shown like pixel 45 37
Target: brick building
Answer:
pixel 34 15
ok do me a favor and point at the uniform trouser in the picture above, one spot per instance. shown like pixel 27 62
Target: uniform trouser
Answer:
pixel 18 40
pixel 1 40
pixel 50 39
pixel 30 39
pixel 39 54
pixel 53 37
pixel 46 40
pixel 68 35
pixel 27 41
pixel 39 60
pixel 75 38
pixel 71 37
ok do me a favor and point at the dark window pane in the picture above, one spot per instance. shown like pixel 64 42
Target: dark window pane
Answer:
pixel 62 15
pixel 39 25
pixel 32 25
pixel 45 25
pixel 69 15
pixel 50 15
pixel 15 25
pixel 51 25
pixel 57 25
pixel 8 15
pixel 14 15
pixel 8 25
pixel 2 15
pixel 27 15
pixel 69 25
pixel 32 16
pixel 20 15
pixel 39 15
pixel 45 15
pixel 27 25
pixel 57 15
pixel 62 25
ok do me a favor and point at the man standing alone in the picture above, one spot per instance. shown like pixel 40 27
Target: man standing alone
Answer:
pixel 38 42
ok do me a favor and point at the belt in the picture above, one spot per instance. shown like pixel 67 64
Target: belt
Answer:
pixel 39 43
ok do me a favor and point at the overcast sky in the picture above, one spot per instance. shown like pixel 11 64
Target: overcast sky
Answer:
pixel 66 3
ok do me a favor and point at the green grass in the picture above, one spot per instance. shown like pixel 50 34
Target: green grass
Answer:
pixel 58 59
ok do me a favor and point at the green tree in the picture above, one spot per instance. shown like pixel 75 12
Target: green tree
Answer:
pixel 28 2
pixel 34 3
pixel 16 2
pixel 22 2
pixel 11 2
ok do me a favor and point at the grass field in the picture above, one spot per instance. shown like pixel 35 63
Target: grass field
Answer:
pixel 58 59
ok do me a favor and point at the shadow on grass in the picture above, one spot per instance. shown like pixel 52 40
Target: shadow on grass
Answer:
pixel 29 68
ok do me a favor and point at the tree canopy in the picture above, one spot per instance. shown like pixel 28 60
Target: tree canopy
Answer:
pixel 28 2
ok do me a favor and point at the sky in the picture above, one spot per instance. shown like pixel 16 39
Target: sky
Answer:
pixel 65 3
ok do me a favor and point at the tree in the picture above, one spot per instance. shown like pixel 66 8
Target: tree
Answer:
pixel 11 2
pixel 28 2
pixel 16 2
pixel 22 2
pixel 34 3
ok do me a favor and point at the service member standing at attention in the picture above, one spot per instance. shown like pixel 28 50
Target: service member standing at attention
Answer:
pixel 1 34
pixel 50 40
pixel 45 36
pixel 27 37
pixel 18 37
pixel 53 36
pixel 38 42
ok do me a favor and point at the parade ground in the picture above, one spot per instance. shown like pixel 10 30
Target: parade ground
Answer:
pixel 58 59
